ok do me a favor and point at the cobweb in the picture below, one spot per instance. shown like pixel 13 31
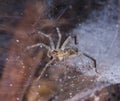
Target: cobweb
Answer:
pixel 99 36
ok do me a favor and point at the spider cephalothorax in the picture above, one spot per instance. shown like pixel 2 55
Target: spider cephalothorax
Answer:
pixel 59 52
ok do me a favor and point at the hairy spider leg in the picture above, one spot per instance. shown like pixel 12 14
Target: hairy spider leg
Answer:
pixel 52 45
pixel 39 44
pixel 94 61
pixel 65 43
pixel 80 56
pixel 75 40
pixel 59 40
pixel 45 68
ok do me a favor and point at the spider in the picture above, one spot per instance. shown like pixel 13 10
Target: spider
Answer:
pixel 59 52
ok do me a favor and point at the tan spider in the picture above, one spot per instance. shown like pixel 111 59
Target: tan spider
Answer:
pixel 60 52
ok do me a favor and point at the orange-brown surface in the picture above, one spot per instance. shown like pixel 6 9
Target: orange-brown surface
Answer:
pixel 20 66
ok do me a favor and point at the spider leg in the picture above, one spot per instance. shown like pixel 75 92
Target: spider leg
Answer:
pixel 75 40
pixel 94 61
pixel 80 55
pixel 50 39
pixel 59 40
pixel 38 44
pixel 44 69
pixel 65 43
